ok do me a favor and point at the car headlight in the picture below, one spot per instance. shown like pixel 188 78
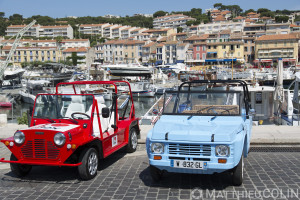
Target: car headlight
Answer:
pixel 157 148
pixel 19 137
pixel 222 150
pixel 59 139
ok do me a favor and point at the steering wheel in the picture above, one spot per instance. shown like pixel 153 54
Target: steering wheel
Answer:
pixel 79 113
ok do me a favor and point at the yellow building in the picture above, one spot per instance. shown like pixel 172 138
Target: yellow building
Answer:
pixel 30 54
pixel 269 48
pixel 225 51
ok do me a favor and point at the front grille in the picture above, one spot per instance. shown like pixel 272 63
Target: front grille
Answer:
pixel 190 149
pixel 40 149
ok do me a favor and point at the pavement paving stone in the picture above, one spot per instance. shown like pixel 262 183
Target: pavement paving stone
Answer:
pixel 126 176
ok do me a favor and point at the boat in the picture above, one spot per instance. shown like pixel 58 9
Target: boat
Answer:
pixel 128 70
pixel 29 93
pixel 142 89
pixel 13 72
pixel 5 104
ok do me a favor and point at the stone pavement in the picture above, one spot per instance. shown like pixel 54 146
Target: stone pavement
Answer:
pixel 126 176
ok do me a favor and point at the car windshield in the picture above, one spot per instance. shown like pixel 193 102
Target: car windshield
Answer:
pixel 62 106
pixel 211 103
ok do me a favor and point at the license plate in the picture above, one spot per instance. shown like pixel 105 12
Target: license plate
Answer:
pixel 188 164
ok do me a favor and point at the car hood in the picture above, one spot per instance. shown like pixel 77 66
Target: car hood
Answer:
pixel 197 128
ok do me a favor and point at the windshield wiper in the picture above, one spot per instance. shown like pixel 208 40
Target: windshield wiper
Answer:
pixel 72 120
pixel 50 120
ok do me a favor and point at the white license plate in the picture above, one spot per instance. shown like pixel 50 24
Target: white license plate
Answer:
pixel 188 164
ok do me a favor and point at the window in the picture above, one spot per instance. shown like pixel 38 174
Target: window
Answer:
pixel 203 56
pixel 224 46
pixel 208 47
pixel 198 56
pixel 238 46
pixel 198 48
pixel 231 47
pixel 245 49
pixel 215 47
pixel 132 55
pixel 203 48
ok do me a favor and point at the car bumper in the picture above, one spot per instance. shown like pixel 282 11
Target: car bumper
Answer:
pixel 210 167
pixel 24 162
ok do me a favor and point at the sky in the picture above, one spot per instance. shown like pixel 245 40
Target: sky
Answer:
pixel 64 8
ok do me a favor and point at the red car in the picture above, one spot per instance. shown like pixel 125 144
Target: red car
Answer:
pixel 75 130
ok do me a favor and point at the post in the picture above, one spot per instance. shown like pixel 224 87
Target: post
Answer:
pixel 232 68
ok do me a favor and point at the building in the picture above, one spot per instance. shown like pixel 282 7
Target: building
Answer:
pixel 111 16
pixel 31 54
pixel 199 52
pixel 12 30
pixel 65 31
pixel 182 50
pixel 147 52
pixel 217 27
pixel 171 21
pixel 160 54
pixel 156 33
pixel 92 29
pixel 87 54
pixel 269 48
pixel 224 52
pixel 75 43
pixel 120 51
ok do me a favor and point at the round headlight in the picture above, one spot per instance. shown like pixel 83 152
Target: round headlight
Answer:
pixel 222 150
pixel 59 139
pixel 157 148
pixel 19 137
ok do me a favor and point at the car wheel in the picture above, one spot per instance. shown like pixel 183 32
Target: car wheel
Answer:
pixel 88 169
pixel 18 169
pixel 156 174
pixel 132 141
pixel 238 173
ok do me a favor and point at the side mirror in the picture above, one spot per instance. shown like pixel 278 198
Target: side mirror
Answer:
pixel 252 111
pixel 105 112
pixel 154 111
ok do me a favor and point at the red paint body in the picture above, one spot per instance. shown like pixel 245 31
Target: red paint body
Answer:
pixel 39 147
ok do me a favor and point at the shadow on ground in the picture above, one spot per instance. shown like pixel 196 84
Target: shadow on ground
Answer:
pixel 188 181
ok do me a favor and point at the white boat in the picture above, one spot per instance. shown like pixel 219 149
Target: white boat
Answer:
pixel 142 89
pixel 13 72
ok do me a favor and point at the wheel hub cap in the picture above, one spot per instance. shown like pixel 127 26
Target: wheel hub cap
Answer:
pixel 92 163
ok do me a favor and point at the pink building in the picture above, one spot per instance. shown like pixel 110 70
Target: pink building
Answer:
pixel 199 51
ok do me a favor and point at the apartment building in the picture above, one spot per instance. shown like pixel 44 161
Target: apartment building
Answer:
pixel 171 21
pixel 120 51
pixel 269 48
pixel 257 30
pixel 222 52
pixel 137 31
pixel 87 54
pixel 55 31
pixel 199 52
pixel 125 33
pixel 160 54
pixel 156 33
pixel 217 27
pixel 92 29
pixel 75 43
pixel 171 52
pixel 12 30
pixel 30 54
pixel 148 52
pixel 116 31
pixel 182 49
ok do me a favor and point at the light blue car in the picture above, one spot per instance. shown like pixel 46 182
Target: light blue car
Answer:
pixel 203 129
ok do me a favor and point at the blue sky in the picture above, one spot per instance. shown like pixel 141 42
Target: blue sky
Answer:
pixel 63 8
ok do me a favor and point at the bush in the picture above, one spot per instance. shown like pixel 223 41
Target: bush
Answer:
pixel 23 119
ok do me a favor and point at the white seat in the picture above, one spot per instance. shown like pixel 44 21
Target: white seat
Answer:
pixel 75 106
pixel 103 121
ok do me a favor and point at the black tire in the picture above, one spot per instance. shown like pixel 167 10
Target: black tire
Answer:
pixel 238 173
pixel 90 160
pixel 156 174
pixel 132 141
pixel 18 169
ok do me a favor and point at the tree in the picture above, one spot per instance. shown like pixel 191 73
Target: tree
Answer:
pixel 159 13
pixel 16 19
pixel 218 5
pixel 75 58
pixel 2 14
pixel 280 19
pixel 267 14
pixel 179 29
pixel 261 10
